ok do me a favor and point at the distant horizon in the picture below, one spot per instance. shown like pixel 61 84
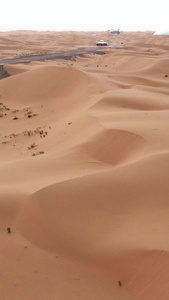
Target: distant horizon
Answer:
pixel 76 30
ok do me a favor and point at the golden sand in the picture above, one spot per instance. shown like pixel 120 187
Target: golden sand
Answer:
pixel 84 168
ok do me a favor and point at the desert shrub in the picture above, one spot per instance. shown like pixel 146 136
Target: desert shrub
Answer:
pixel 9 229
pixel 32 146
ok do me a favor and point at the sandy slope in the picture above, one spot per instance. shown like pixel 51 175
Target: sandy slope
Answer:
pixel 84 169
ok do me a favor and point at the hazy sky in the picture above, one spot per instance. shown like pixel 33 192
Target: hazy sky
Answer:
pixel 84 15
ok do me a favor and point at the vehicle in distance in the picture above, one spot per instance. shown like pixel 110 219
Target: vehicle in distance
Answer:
pixel 101 43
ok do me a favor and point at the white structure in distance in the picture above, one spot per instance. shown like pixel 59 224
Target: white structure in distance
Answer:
pixel 114 31
pixel 161 32
pixel 101 43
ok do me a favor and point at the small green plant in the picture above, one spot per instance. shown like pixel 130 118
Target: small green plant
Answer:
pixel 29 116
pixel 9 229
pixel 15 118
pixel 120 283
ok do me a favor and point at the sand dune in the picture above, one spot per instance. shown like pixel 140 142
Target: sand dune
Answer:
pixel 43 83
pixel 84 162
pixel 129 100
pixel 114 233
pixel 115 146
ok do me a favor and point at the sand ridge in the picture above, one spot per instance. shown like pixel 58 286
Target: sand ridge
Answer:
pixel 84 168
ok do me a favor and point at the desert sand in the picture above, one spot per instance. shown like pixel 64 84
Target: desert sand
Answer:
pixel 84 168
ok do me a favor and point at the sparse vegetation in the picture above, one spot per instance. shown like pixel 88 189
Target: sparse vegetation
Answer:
pixel 15 118
pixel 69 123
pixel 3 109
pixel 9 229
pixel 32 146
pixel 42 133
pixel 120 283
pixel 28 132
pixel 29 116
pixel 38 153
pixel 5 142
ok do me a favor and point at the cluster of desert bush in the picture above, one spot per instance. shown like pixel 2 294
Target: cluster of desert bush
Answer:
pixel 42 132
pixel 3 110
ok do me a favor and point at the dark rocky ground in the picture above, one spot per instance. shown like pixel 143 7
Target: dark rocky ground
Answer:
pixel 3 72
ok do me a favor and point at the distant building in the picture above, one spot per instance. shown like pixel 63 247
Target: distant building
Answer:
pixel 101 43
pixel 114 31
